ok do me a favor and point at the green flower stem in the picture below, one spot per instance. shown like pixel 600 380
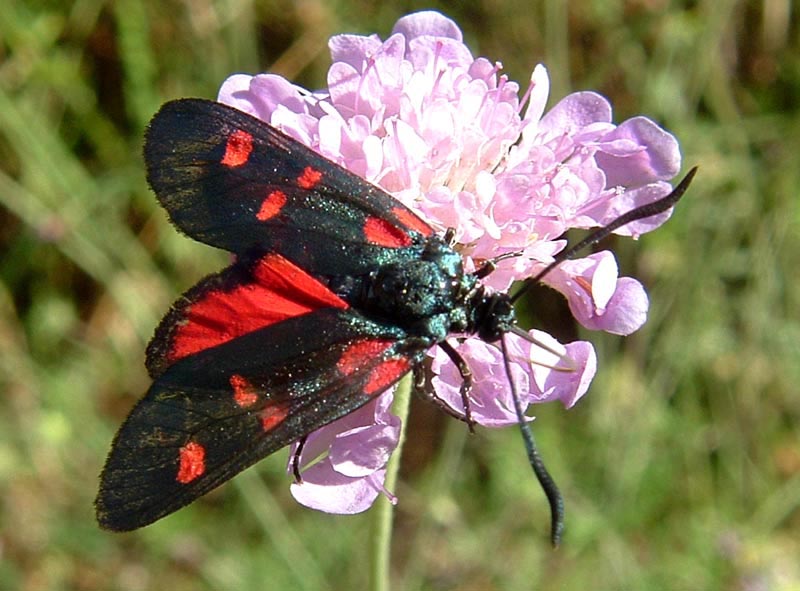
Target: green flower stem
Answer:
pixel 383 512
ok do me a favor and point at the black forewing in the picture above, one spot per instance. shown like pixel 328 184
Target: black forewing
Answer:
pixel 321 226
pixel 294 373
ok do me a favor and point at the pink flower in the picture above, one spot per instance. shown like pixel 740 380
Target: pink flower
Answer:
pixel 449 135
pixel 531 368
pixel 357 448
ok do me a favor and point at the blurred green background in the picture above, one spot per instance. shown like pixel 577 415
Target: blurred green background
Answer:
pixel 681 468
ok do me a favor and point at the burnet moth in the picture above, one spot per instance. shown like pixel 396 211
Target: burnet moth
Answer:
pixel 337 292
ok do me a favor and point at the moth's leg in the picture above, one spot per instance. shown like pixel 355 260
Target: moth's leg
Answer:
pixel 423 387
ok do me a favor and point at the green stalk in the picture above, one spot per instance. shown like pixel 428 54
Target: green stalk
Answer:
pixel 383 512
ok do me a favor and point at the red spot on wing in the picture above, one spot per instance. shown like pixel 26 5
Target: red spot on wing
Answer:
pixel 379 231
pixel 244 394
pixel 273 415
pixel 309 178
pixel 271 206
pixel 360 354
pixel 385 375
pixel 278 290
pixel 238 148
pixel 192 462
pixel 356 355
pixel 412 221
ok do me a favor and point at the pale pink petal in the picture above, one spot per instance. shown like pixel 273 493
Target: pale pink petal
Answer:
pixel 326 490
pixel 427 22
pixel 648 154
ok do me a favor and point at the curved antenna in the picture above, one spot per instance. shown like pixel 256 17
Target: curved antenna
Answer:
pixel 639 213
pixel 546 481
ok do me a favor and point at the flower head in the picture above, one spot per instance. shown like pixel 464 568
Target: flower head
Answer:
pixel 450 136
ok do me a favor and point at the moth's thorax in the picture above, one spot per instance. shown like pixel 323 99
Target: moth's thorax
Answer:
pixel 420 288
pixel 430 296
pixel 414 290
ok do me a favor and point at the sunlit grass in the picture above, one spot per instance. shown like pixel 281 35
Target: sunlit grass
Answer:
pixel 681 468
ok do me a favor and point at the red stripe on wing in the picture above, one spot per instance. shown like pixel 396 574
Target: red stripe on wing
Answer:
pixel 278 290
pixel 361 354
pixel 244 393
pixel 271 206
pixel 412 221
pixel 382 233
pixel 309 178
pixel 273 414
pixel 238 149
pixel 385 374
pixel 192 462
pixel 353 357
